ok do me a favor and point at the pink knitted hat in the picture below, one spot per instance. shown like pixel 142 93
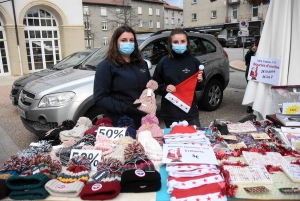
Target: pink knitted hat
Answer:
pixel 151 123
pixel 104 144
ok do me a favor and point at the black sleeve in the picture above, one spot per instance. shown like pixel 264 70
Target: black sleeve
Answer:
pixel 158 77
pixel 102 89
pixel 248 56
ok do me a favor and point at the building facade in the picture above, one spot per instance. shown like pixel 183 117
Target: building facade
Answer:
pixel 102 17
pixel 223 17
pixel 48 30
pixel 173 16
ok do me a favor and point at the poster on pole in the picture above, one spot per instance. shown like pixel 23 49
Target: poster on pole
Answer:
pixel 266 70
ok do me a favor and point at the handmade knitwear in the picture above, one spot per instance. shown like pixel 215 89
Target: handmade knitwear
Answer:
pixel 21 183
pixel 14 166
pixel 60 189
pixel 101 122
pixel 109 186
pixel 39 163
pixel 82 125
pixel 152 148
pixel 78 170
pixel 42 146
pixel 104 144
pixel 126 122
pixel 30 194
pixel 4 190
pixel 151 123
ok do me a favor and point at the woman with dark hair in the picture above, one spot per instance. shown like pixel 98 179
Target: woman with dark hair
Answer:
pixel 173 69
pixel 121 77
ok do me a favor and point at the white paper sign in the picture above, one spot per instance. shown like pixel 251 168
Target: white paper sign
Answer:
pixel 94 156
pixel 266 70
pixel 291 108
pixel 111 132
pixel 188 153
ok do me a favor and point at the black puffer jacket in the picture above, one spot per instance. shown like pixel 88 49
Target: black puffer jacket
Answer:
pixel 174 71
pixel 116 87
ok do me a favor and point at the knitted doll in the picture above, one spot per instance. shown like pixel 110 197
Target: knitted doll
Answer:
pixel 147 98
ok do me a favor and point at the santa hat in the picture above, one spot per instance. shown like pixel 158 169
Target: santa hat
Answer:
pixel 184 95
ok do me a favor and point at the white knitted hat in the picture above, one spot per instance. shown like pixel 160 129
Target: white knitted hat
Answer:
pixel 152 148
pixel 59 189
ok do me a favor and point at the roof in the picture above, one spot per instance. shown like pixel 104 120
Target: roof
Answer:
pixel 168 6
pixel 152 1
pixel 107 2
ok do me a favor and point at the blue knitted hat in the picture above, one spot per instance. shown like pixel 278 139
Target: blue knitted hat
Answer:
pixel 127 122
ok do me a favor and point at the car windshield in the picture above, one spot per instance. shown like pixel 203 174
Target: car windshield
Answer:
pixel 71 60
pixel 231 38
pixel 95 59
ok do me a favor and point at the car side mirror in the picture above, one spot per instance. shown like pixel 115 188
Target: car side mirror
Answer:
pixel 149 64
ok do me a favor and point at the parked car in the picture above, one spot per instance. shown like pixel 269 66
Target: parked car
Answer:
pixel 222 41
pixel 234 41
pixel 68 94
pixel 73 60
pixel 249 40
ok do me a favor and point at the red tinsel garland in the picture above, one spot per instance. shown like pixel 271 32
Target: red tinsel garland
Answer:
pixel 297 162
pixel 272 169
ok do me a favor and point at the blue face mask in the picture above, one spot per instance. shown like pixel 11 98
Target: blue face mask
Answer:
pixel 126 48
pixel 179 49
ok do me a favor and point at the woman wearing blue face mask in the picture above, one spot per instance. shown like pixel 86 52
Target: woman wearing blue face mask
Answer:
pixel 173 69
pixel 121 77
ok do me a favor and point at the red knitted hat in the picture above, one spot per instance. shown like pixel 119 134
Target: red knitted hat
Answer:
pixel 106 122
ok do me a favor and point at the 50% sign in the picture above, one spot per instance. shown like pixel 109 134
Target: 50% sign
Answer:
pixel 94 156
pixel 111 132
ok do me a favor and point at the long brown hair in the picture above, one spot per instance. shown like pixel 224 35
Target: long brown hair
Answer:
pixel 178 31
pixel 114 56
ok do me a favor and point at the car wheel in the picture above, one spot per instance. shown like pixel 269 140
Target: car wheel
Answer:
pixel 212 97
pixel 93 113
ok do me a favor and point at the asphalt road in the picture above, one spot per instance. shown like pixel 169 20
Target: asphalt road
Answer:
pixel 230 109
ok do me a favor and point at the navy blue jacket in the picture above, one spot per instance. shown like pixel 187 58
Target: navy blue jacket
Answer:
pixel 174 71
pixel 116 87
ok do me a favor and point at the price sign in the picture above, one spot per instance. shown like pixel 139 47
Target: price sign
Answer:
pixel 291 108
pixel 111 132
pixel 94 156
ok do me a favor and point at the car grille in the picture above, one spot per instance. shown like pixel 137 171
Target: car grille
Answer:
pixel 47 126
pixel 14 91
pixel 29 95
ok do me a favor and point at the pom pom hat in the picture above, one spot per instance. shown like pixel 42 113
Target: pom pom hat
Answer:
pixel 102 122
pixel 147 98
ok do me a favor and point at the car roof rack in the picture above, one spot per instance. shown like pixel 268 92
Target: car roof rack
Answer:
pixel 187 29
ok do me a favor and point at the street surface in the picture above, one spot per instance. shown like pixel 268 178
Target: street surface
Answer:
pixel 230 109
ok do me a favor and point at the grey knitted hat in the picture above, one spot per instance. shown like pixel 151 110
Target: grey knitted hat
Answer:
pixel 59 189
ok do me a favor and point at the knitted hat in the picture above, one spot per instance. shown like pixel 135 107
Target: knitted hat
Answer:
pixel 42 146
pixel 20 183
pixel 39 164
pixel 107 187
pixel 4 190
pixel 128 123
pixel 184 95
pixel 152 148
pixel 59 189
pixel 30 194
pixel 53 135
pixel 105 122
pixel 78 170
pixel 150 122
pixel 82 125
pixel 147 98
pixel 138 173
pixel 14 166
pixel 104 144
pixel 182 127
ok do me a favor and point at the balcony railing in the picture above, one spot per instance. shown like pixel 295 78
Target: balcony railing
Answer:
pixel 249 17
pixel 233 2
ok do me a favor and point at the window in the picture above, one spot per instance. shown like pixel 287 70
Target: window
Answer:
pixel 151 24
pixel 173 13
pixel 158 24
pixel 88 42
pixel 140 10
pixel 172 22
pixel 105 40
pixel 194 17
pixel 254 11
pixel 87 25
pixel 194 1
pixel 118 11
pixel 140 23
pixel 197 47
pixel 209 46
pixel 178 21
pixel 150 11
pixel 234 12
pixel 214 14
pixel 155 50
pixel 157 11
pixel 86 10
pixel 104 25
pixel 167 21
pixel 103 11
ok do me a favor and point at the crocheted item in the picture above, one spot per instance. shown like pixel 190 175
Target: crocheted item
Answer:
pixel 78 170
pixel 105 122
pixel 147 98
pixel 128 123
pixel 82 125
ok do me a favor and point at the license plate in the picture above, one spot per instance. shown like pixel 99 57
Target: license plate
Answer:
pixel 21 113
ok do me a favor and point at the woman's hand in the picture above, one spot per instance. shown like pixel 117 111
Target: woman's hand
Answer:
pixel 171 88
pixel 199 77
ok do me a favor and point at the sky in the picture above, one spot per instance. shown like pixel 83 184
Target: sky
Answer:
pixel 178 3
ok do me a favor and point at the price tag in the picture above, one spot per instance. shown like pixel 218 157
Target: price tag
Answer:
pixel 111 132
pixel 291 108
pixel 149 92
pixel 35 170
pixel 260 136
pixel 237 146
pixel 229 137
pixel 94 156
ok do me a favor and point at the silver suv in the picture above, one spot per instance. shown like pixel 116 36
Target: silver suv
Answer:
pixel 68 94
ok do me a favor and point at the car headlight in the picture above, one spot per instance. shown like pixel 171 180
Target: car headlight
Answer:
pixel 57 100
